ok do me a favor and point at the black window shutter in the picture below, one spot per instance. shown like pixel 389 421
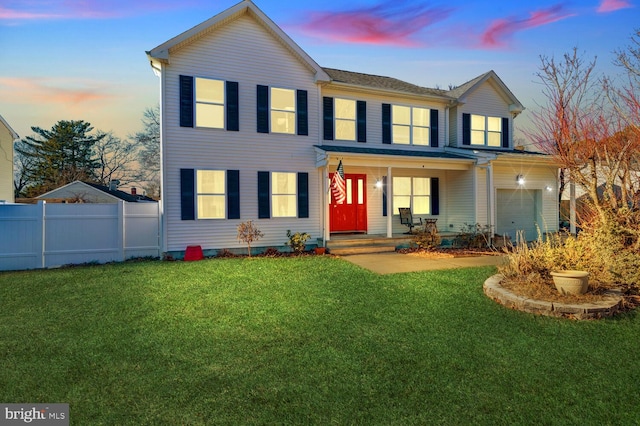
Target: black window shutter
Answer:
pixel 466 129
pixel 435 196
pixel 384 195
pixel 264 196
pixel 505 132
pixel 386 123
pixel 434 129
pixel 361 119
pixel 233 109
pixel 187 194
pixel 303 195
pixel 327 114
pixel 302 115
pixel 263 109
pixel 186 101
pixel 233 194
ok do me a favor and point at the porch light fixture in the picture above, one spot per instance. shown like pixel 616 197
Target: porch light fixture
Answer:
pixel 548 188
pixel 378 184
pixel 520 180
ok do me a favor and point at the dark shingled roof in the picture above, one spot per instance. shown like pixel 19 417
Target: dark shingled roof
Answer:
pixel 395 152
pixel 380 82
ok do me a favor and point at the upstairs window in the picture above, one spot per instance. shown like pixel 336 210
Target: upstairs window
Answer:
pixel 345 119
pixel 406 125
pixel 283 111
pixel 487 131
pixel 410 125
pixel 209 103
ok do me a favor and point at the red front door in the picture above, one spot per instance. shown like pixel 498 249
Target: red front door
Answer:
pixel 350 216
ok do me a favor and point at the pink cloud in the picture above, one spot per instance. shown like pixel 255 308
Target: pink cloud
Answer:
pixel 385 24
pixel 613 5
pixel 501 30
pixel 17 11
pixel 58 92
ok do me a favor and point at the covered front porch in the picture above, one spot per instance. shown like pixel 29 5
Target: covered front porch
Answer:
pixel 436 185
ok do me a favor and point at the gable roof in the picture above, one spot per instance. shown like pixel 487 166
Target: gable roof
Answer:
pixel 378 82
pixel 116 194
pixel 162 52
pixel 461 92
pixel 14 135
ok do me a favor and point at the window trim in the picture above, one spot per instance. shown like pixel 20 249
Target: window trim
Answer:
pixel 353 120
pixel 223 105
pixel 294 112
pixel 411 125
pixel 502 142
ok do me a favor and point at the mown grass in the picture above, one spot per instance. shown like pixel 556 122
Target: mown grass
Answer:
pixel 310 340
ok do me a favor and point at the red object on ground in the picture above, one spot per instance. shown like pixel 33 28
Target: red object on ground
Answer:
pixel 193 253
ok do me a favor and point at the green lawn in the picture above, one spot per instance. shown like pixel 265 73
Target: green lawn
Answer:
pixel 311 340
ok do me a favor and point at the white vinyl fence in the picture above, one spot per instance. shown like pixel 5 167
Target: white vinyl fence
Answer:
pixel 48 235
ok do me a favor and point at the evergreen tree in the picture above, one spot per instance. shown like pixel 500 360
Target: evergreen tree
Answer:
pixel 60 155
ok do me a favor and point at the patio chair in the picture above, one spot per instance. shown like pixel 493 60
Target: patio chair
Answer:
pixel 406 218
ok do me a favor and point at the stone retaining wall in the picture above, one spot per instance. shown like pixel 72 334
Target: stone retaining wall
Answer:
pixel 604 308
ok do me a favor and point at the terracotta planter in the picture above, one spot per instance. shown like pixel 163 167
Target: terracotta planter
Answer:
pixel 320 250
pixel 571 282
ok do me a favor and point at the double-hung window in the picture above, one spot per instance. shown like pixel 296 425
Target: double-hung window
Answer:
pixel 211 194
pixel 209 103
pixel 284 194
pixel 345 119
pixel 283 110
pixel 487 131
pixel 410 125
pixel 413 192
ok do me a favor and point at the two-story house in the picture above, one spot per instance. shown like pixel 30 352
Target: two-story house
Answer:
pixel 253 129
pixel 7 137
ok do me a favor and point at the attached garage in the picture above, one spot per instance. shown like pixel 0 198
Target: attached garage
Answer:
pixel 518 210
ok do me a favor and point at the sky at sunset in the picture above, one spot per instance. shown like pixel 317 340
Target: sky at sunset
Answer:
pixel 85 59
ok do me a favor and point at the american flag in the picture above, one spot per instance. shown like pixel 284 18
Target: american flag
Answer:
pixel 338 187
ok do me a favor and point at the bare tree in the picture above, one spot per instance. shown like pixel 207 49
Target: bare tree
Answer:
pixel 117 160
pixel 148 141
pixel 569 87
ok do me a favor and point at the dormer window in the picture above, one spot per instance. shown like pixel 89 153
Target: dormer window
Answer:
pixel 485 131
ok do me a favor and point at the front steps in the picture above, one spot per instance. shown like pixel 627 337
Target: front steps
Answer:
pixel 345 245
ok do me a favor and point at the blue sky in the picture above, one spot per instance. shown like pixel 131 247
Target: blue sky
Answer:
pixel 85 59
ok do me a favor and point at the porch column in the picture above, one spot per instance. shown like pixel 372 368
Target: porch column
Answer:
pixel 572 207
pixel 325 200
pixel 490 198
pixel 389 203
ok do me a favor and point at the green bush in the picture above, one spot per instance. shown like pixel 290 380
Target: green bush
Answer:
pixel 297 241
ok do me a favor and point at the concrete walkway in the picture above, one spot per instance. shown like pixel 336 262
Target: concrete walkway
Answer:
pixel 392 263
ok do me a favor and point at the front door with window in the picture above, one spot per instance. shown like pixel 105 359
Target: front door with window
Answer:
pixel 350 216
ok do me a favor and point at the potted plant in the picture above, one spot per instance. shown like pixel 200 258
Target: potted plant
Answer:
pixel 570 281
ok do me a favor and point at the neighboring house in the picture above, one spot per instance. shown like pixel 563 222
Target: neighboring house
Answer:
pixel 84 192
pixel 7 137
pixel 253 129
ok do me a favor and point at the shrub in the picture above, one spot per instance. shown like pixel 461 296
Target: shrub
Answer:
pixel 248 233
pixel 224 253
pixel 297 241
pixel 601 249
pixel 474 236
pixel 426 237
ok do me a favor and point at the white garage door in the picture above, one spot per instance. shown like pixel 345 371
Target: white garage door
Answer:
pixel 517 210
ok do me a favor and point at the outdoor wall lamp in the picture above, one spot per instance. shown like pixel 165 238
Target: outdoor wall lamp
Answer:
pixel 378 184
pixel 520 180
pixel 548 188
